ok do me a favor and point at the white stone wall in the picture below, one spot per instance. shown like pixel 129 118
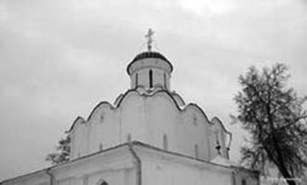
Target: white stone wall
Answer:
pixel 167 172
pixel 149 119
pixel 111 176
pixel 116 167
pixel 173 170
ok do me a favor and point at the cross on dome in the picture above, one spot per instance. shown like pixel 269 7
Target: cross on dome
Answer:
pixel 149 38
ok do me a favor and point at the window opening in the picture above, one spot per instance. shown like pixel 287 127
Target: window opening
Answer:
pixel 101 182
pixel 164 78
pixel 150 78
pixel 243 182
pixel 104 183
pixel 136 80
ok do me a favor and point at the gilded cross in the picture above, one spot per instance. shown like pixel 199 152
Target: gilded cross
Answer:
pixel 149 38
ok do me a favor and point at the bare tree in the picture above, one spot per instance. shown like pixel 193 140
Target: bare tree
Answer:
pixel 274 116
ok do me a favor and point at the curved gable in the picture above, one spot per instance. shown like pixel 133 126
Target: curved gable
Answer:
pixel 197 109
pixel 159 118
pixel 178 99
pixel 223 135
pixel 102 105
pixel 216 120
pixel 123 97
pixel 79 120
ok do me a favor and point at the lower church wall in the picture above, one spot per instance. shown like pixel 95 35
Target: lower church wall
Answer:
pixel 106 177
pixel 137 163
pixel 161 170
pixel 114 167
pixel 160 173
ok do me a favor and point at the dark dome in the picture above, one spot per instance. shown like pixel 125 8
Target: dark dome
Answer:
pixel 149 54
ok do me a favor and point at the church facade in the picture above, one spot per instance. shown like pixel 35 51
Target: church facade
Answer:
pixel 148 136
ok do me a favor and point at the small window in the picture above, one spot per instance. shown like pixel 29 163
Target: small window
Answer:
pixel 129 138
pixel 233 177
pixel 136 80
pixel 100 146
pixel 165 142
pixel 101 182
pixel 104 183
pixel 150 79
pixel 243 182
pixel 196 150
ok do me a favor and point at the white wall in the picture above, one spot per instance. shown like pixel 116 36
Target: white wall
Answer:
pixel 119 167
pixel 116 167
pixel 146 118
pixel 159 168
pixel 159 171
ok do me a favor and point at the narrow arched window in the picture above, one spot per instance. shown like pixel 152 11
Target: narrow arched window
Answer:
pixel 150 79
pixel 165 142
pixel 164 79
pixel 196 151
pixel 136 80
pixel 104 183
pixel 243 182
pixel 233 177
pixel 101 182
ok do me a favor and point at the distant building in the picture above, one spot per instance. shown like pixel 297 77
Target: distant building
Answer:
pixel 148 136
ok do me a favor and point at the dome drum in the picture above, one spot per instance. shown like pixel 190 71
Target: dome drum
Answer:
pixel 150 70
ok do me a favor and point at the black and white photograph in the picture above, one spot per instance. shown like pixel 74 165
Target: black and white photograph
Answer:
pixel 160 92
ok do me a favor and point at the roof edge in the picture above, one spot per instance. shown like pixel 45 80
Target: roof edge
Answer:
pixel 129 144
pixel 149 54
pixel 169 94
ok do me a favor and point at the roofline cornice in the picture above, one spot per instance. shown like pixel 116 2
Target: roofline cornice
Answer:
pixel 128 145
pixel 160 91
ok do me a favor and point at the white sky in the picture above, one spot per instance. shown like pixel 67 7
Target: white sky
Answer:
pixel 60 58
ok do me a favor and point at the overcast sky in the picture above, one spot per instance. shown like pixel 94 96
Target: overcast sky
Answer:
pixel 59 58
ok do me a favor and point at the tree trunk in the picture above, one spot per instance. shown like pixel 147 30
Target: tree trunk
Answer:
pixel 280 161
pixel 290 180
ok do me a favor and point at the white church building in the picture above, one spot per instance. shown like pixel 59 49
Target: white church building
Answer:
pixel 148 136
